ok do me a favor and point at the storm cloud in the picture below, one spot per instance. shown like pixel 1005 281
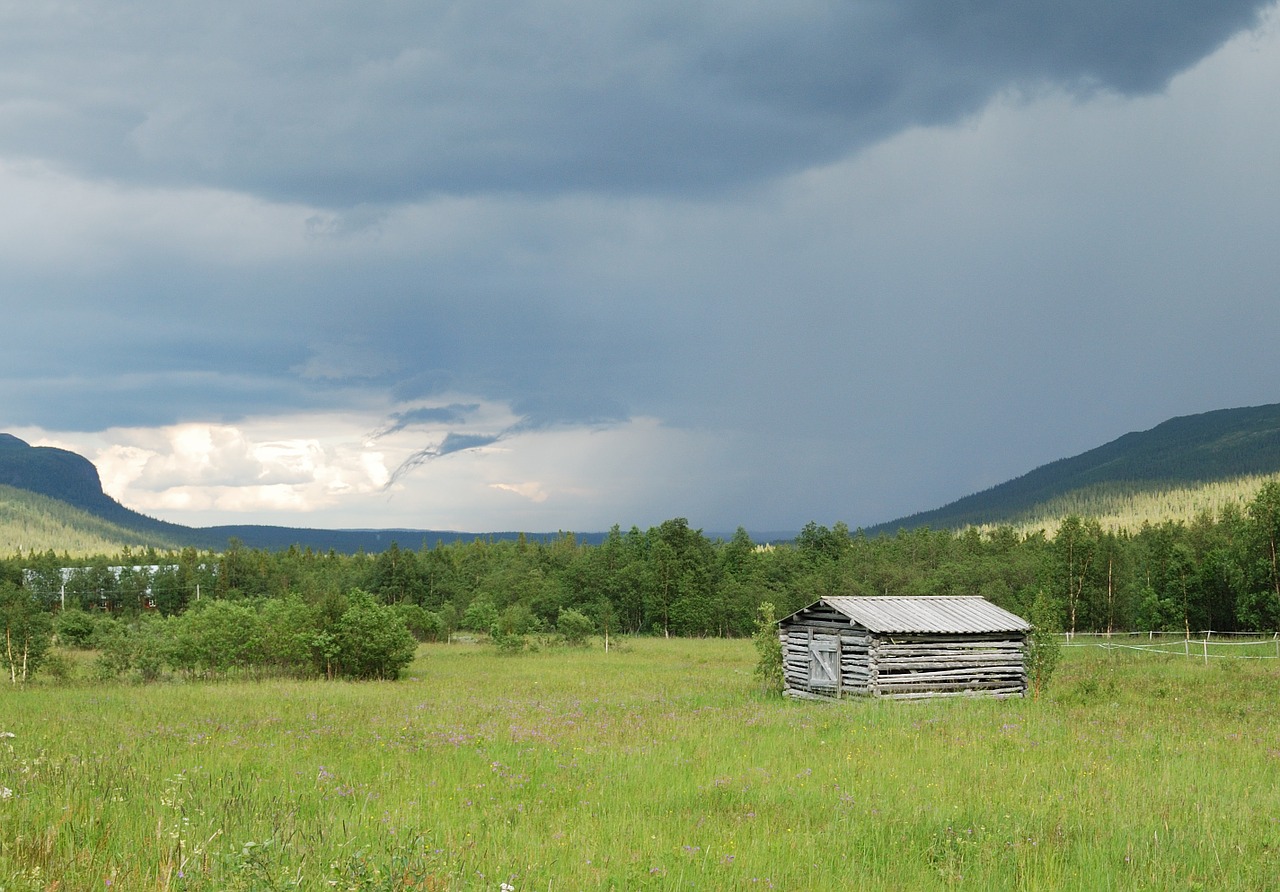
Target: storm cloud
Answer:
pixel 562 265
pixel 339 106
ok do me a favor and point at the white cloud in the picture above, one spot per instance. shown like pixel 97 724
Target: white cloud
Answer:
pixel 254 472
pixel 531 490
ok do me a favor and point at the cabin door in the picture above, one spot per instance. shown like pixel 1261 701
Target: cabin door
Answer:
pixel 823 662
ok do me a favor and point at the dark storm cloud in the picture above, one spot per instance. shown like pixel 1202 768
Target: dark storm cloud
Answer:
pixel 442 415
pixel 452 442
pixel 342 105
pixel 559 227
pixel 572 404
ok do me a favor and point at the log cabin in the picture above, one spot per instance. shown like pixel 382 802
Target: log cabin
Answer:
pixel 904 648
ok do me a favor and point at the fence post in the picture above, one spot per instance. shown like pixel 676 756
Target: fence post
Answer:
pixel 1206 651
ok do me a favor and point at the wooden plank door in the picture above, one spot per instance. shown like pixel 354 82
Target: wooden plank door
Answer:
pixel 824 664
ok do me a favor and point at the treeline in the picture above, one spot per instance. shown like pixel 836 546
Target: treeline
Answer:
pixel 1219 571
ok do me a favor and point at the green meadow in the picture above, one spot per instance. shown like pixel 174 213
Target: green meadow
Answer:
pixel 655 766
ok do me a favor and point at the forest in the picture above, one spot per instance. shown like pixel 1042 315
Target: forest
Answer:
pixel 1219 571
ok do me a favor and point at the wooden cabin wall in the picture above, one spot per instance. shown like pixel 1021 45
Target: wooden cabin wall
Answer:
pixel 847 650
pixel 915 666
pixel 897 666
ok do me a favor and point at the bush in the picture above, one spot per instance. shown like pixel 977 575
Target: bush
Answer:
pixel 115 650
pixel 216 636
pixel 75 628
pixel 508 641
pixel 56 666
pixel 26 632
pixel 480 615
pixel 575 627
pixel 285 631
pixel 768 651
pixel 422 623
pixel 518 618
pixel 152 646
pixel 1044 650
pixel 370 640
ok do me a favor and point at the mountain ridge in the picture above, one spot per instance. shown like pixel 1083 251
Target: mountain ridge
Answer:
pixel 72 479
pixel 1194 449
pixel 1187 449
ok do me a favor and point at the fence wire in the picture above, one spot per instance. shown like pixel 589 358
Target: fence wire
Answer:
pixel 1202 646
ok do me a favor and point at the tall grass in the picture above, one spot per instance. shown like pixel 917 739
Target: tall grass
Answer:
pixel 660 767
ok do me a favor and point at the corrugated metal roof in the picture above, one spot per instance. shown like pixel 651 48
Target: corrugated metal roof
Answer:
pixel 971 613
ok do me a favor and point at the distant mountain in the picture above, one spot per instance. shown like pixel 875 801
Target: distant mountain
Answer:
pixel 1194 450
pixel 66 477
pixel 32 522
pixel 71 478
pixel 1185 451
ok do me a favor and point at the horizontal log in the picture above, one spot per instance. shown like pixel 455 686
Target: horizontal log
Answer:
pixel 977 659
pixel 826 626
pixel 955 643
pixel 901 691
pixel 804 695
pixel 927 678
pixel 941 671
pixel 936 648
pixel 992 693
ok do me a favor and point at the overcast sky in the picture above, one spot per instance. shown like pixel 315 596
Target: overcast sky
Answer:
pixel 563 264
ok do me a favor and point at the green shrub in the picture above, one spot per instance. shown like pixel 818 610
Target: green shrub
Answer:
pixel 480 615
pixel 75 628
pixel 152 646
pixel 56 665
pixel 285 631
pixel 1044 650
pixel 422 623
pixel 216 636
pixel 575 627
pixel 768 651
pixel 115 650
pixel 371 640
pixel 26 631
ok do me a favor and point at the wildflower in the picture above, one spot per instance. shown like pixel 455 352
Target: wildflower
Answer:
pixel 6 793
pixel 507 887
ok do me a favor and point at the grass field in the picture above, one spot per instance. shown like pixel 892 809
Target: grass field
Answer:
pixel 658 767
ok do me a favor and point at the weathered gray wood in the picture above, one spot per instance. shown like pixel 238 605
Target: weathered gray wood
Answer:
pixel 805 695
pixel 994 693
pixel 900 666
pixel 955 681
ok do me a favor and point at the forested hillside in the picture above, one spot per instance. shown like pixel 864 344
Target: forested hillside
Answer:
pixel 1140 550
pixel 1216 572
pixel 1180 455
pixel 32 522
